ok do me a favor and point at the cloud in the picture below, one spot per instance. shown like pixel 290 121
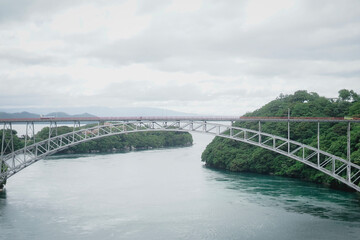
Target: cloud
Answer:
pixel 24 10
pixel 204 56
pixel 19 56
pixel 114 21
pixel 296 32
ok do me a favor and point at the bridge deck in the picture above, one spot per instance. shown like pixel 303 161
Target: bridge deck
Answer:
pixel 174 118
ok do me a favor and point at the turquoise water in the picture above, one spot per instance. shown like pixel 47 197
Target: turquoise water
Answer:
pixel 168 194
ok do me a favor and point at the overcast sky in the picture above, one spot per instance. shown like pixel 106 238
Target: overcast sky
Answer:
pixel 201 56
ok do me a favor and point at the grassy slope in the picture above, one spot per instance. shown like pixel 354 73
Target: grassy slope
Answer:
pixel 241 157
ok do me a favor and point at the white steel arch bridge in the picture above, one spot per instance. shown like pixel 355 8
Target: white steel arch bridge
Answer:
pixel 13 161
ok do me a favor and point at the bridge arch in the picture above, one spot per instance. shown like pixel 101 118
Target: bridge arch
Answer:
pixel 336 167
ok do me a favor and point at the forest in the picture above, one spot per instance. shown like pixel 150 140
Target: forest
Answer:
pixel 235 156
pixel 116 143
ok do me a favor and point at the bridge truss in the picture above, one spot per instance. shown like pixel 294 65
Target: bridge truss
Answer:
pixel 14 161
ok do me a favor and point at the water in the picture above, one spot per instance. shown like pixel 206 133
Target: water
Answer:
pixel 168 194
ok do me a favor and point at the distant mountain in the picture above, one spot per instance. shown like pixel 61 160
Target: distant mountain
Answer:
pixel 64 115
pixel 35 115
pixel 19 115
pixel 101 111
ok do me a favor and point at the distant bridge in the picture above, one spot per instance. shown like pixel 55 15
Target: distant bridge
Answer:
pixel 13 161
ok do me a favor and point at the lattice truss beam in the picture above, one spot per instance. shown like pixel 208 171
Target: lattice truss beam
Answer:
pixel 14 161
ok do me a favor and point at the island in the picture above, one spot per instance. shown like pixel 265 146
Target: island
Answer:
pixel 236 156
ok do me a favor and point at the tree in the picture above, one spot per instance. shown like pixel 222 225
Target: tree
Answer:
pixel 300 96
pixel 223 153
pixel 344 95
pixel 354 110
pixel 16 140
pixel 355 97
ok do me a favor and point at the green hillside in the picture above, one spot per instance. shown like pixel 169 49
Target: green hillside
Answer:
pixel 116 143
pixel 241 157
pixel 124 142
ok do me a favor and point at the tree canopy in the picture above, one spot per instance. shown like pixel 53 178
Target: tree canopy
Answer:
pixel 122 142
pixel 237 156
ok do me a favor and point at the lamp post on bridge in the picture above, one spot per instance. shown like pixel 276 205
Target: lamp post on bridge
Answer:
pixel 348 152
pixel 318 143
pixel 288 130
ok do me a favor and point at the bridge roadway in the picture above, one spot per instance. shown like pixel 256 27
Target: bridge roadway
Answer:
pixel 182 118
pixel 13 161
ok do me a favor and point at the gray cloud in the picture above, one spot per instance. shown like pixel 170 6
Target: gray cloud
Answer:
pixel 212 41
pixel 18 56
pixel 21 10
pixel 309 45
pixel 138 91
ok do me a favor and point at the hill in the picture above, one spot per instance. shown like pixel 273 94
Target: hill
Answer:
pixel 241 157
pixel 18 115
pixel 101 111
pixel 64 115
pixel 6 115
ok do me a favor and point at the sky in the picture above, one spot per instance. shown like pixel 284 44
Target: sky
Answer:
pixel 198 56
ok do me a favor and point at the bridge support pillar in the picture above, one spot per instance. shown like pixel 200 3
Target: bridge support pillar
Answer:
pixel 52 133
pixel 76 125
pixel 7 145
pixel 288 125
pixel 259 132
pixel 29 136
pixel 2 184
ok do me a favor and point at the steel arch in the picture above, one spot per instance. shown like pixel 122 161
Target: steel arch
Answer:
pixel 336 167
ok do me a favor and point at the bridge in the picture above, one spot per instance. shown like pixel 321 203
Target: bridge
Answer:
pixel 13 161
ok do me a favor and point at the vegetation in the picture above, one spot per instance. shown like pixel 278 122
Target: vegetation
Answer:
pixel 122 142
pixel 18 142
pixel 241 157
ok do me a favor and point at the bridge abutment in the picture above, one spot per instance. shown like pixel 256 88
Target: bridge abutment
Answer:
pixel 2 186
